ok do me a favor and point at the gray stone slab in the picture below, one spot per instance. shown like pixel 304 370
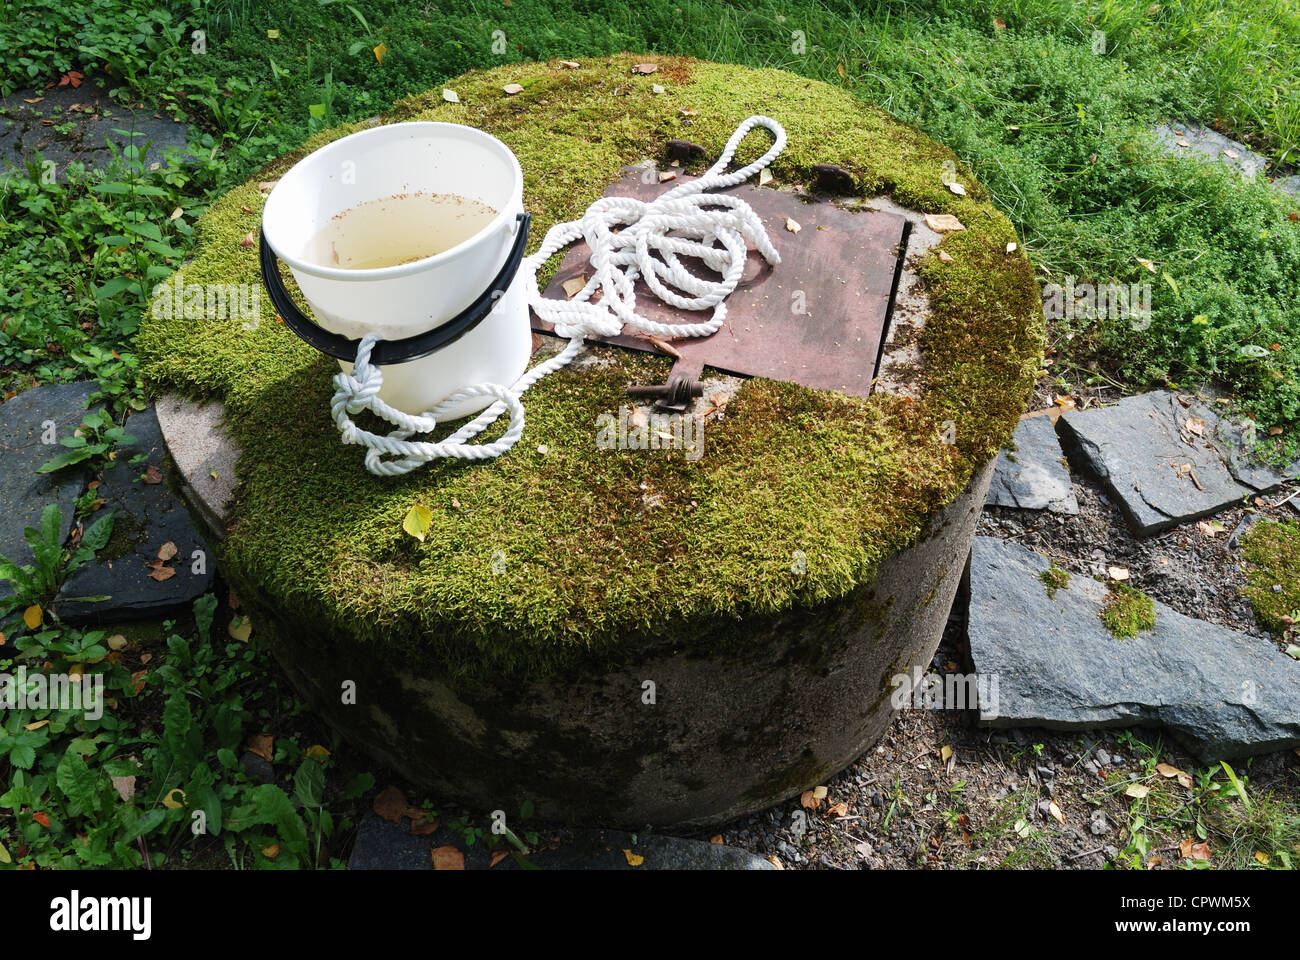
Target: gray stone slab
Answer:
pixel 1224 693
pixel 68 125
pixel 24 424
pixel 205 456
pixel 1205 143
pixel 1289 185
pixel 1033 475
pixel 1141 447
pixel 149 515
pixel 383 845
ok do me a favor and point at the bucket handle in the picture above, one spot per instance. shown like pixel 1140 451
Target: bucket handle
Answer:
pixel 391 351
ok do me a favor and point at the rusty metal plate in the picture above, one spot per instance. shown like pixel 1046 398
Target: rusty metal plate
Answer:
pixel 841 269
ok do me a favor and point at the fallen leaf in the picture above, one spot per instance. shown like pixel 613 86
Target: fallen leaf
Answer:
pixel 840 809
pixel 418 520
pixel 271 852
pixel 808 801
pixel 1151 267
pixel 390 803
pixel 170 801
pixel 35 725
pixel 666 175
pixel 663 346
pixel 379 52
pixel 1056 813
pixel 422 828
pixel 42 818
pixel 450 96
pixel 657 89
pixel 943 223
pixel 1012 248
pixel 792 225
pixel 1275 431
pixel 318 753
pixel 633 859
pixel 945 752
pixel 262 744
pixel 32 616
pixel 176 214
pixel 267 184
pixel 573 286
pixel 946 257
pixel 167 551
pixel 1261 857
pixel 116 642
pixel 645 68
pixel 764 177
pixel 512 88
pixel 570 64
pixel 957 188
pixel 497 857
pixel 1137 791
pixel 241 628
pixel 820 792
pixel 125 787
pixel 1194 851
pixel 1230 154
pixel 245 209
pixel 33 100
pixel 248 240
pixel 1183 143
pixel 1118 573
pixel 5 856
pixel 162 574
pixel 1211 528
pixel 999 23
pixel 775 862
pixel 1195 425
pixel 716 838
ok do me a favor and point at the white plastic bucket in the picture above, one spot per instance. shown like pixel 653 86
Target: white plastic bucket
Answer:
pixel 401 301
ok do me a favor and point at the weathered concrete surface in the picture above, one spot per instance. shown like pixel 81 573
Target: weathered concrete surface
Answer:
pixel 1162 472
pixel 50 412
pixel 204 454
pixel 383 845
pixel 148 516
pixel 1033 475
pixel 1224 693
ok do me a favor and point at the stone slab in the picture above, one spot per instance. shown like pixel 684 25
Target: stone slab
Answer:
pixel 1205 143
pixel 31 129
pixel 24 493
pixel 205 456
pixel 384 845
pixel 1033 475
pixel 1222 692
pixel 149 515
pixel 1140 448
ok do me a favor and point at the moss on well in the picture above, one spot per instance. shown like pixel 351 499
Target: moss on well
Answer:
pixel 1272 551
pixel 1128 611
pixel 845 480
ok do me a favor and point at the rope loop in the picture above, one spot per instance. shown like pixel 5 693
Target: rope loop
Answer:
pixel 630 240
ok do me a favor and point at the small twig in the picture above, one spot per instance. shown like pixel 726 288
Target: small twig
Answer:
pixel 145 852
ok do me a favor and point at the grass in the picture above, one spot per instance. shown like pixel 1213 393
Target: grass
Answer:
pixel 1054 578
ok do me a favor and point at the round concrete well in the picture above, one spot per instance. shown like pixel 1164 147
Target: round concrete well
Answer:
pixel 625 636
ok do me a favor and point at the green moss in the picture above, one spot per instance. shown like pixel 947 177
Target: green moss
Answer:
pixel 1272 551
pixel 1054 578
pixel 1128 611
pixel 847 481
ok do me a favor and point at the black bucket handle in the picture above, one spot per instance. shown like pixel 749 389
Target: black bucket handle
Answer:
pixel 391 351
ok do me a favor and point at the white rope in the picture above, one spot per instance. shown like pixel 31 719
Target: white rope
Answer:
pixel 629 239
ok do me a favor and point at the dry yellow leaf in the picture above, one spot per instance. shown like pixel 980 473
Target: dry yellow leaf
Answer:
pixel 417 521
pixel 957 188
pixel 792 225
pixel 512 88
pixel 1056 813
pixel 447 858
pixel 271 852
pixel 379 52
pixel 170 801
pixel 633 859
pixel 32 616
pixel 943 223
pixel 1118 573
pixel 241 628
pixel 167 551
pixel 573 286
pixel 1137 791
pixel 840 809
pixel 945 752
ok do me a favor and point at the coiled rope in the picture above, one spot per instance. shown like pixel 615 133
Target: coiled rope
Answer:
pixel 629 239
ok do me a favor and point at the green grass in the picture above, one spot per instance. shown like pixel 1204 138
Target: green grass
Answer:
pixel 1054 129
